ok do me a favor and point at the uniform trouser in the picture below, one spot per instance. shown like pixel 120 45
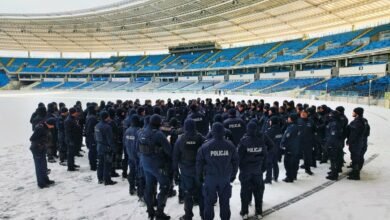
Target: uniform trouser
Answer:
pixel 308 156
pixel 52 150
pixel 291 164
pixel 63 151
pixel 324 155
pixel 272 166
pixel 356 153
pixel 92 154
pixel 213 188
pixel 70 155
pixel 117 160
pixel 334 151
pixel 40 163
pixel 362 153
pixel 132 177
pixel 356 156
pixel 251 183
pixel 125 161
pixel 141 182
pixel 104 167
pixel 153 177
pixel 192 190
pixel 340 155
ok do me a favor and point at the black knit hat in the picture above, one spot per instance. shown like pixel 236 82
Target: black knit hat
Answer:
pixel 293 117
pixel 155 120
pixel 51 121
pixel 359 111
pixel 72 110
pixel 64 110
pixel 340 109
pixel 104 115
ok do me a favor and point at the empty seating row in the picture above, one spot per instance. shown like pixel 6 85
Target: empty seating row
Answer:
pixel 293 84
pixel 261 84
pixel 338 83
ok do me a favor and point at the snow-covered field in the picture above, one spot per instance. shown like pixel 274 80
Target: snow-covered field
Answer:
pixel 77 195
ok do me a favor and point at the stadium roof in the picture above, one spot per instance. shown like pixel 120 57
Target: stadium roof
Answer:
pixel 147 25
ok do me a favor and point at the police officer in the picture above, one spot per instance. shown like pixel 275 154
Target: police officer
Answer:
pixel 72 137
pixel 228 133
pixel 216 167
pixel 366 134
pixel 156 154
pixel 334 138
pixel 41 110
pixel 252 152
pixel 184 157
pixel 355 140
pixel 129 140
pixel 274 132
pixel 290 144
pixel 52 147
pixel 344 124
pixel 200 120
pixel 61 135
pixel 39 143
pixel 105 144
pixel 235 125
pixel 307 130
pixel 90 123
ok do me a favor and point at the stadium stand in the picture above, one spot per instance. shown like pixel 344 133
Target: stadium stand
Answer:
pixel 338 83
pixel 261 84
pixel 69 85
pixel 4 80
pixel 47 85
pixel 293 84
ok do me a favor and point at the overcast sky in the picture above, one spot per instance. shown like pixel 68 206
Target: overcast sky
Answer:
pixel 45 6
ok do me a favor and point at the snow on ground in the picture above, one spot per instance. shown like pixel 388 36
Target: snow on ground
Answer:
pixel 78 196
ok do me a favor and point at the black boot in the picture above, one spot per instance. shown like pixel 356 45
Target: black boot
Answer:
pixel 160 215
pixel 309 172
pixel 110 183
pixel 355 174
pixel 132 191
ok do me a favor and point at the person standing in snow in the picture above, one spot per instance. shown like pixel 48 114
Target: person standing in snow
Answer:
pixel 355 141
pixel 156 154
pixel 216 168
pixel 39 143
pixel 105 145
pixel 290 144
pixel 252 152
pixel 184 157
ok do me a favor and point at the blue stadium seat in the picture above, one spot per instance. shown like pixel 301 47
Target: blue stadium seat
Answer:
pixel 261 84
pixel 338 83
pixel 293 84
pixel 176 85
pixel 254 61
pixel 69 85
pixel 47 85
pixel 378 87
pixel 199 86
pixel 4 80
pixel 287 58
pixel 376 45
pixel 227 63
pixel 333 52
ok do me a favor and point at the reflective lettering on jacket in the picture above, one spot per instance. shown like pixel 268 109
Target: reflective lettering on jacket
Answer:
pixel 219 153
pixel 254 149
pixel 197 119
pixel 235 126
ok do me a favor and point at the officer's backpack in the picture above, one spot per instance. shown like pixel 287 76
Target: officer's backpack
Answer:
pixel 146 145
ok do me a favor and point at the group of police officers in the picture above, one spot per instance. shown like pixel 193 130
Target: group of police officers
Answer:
pixel 168 143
